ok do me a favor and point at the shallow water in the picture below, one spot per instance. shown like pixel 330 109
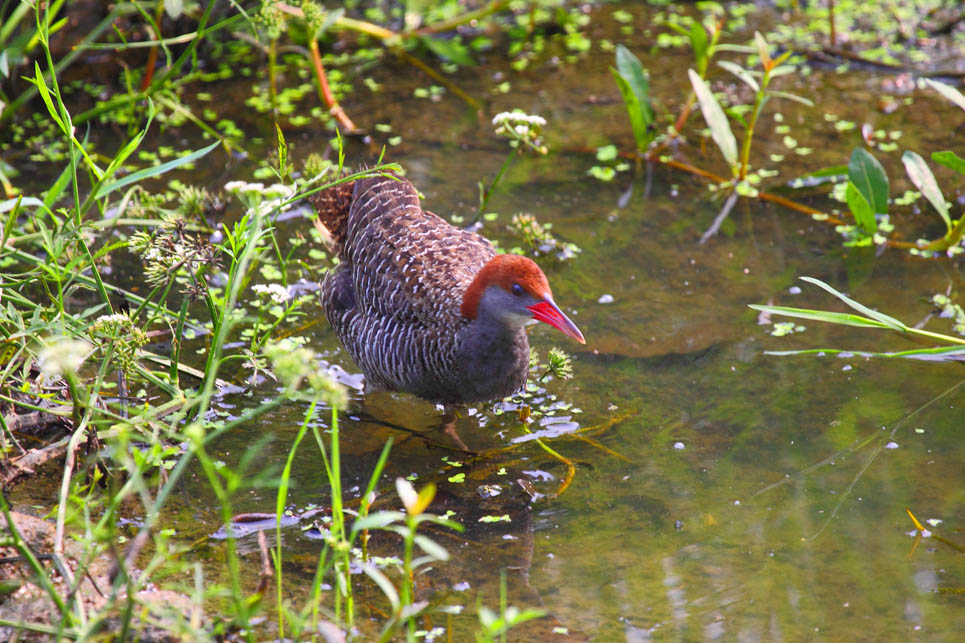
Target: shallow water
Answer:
pixel 719 492
pixel 722 492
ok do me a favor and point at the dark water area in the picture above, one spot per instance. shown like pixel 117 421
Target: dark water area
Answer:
pixel 719 492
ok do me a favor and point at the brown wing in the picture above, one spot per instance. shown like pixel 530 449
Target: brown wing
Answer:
pixel 407 263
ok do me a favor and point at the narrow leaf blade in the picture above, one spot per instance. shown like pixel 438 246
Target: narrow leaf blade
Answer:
pixel 844 319
pixel 157 170
pixel 888 320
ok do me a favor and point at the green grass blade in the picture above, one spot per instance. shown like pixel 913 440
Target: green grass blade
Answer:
pixel 844 319
pixel 157 170
pixel 887 320
pixel 943 354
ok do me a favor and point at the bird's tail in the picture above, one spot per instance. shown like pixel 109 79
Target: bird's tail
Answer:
pixel 333 205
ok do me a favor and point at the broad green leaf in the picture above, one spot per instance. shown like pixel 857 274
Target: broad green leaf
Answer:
pixel 719 127
pixel 700 44
pixel 950 159
pixel 449 49
pixel 632 71
pixel 888 320
pixel 947 91
pixel 844 319
pixel 634 110
pixel 741 73
pixel 921 175
pixel 861 209
pixel 869 177
pixel 157 170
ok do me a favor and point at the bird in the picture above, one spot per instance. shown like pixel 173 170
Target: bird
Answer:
pixel 422 306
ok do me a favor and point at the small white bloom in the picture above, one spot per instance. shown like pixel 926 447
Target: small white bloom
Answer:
pixel 277 292
pixel 63 355
pixel 279 191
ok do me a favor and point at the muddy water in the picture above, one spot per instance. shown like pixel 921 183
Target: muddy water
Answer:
pixel 719 492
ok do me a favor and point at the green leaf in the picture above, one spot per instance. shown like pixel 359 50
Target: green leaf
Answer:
pixel 719 127
pixel 888 320
pixel 700 44
pixel 762 48
pixel 861 209
pixel 388 589
pixel 157 170
pixel 44 92
pixel 869 177
pixel 27 201
pixel 787 95
pixel 632 71
pixel 921 175
pixel 741 73
pixel 941 354
pixel 947 91
pixel 449 49
pixel 634 110
pixel 378 520
pixel 844 319
pixel 949 159
pixel 431 547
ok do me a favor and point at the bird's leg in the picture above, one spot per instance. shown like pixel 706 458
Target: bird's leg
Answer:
pixel 449 417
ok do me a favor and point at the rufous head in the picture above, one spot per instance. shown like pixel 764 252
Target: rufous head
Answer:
pixel 522 278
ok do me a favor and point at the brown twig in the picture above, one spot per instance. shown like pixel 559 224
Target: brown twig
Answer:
pixel 152 53
pixel 325 92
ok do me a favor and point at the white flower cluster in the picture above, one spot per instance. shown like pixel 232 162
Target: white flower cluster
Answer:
pixel 521 128
pixel 63 355
pixel 116 318
pixel 277 292
pixel 257 195
pixel 519 118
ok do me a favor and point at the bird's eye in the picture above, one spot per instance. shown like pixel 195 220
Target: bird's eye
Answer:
pixel 517 290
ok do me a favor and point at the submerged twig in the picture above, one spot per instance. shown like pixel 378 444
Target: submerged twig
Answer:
pixel 719 220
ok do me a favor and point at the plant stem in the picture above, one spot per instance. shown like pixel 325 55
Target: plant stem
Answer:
pixel 487 192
